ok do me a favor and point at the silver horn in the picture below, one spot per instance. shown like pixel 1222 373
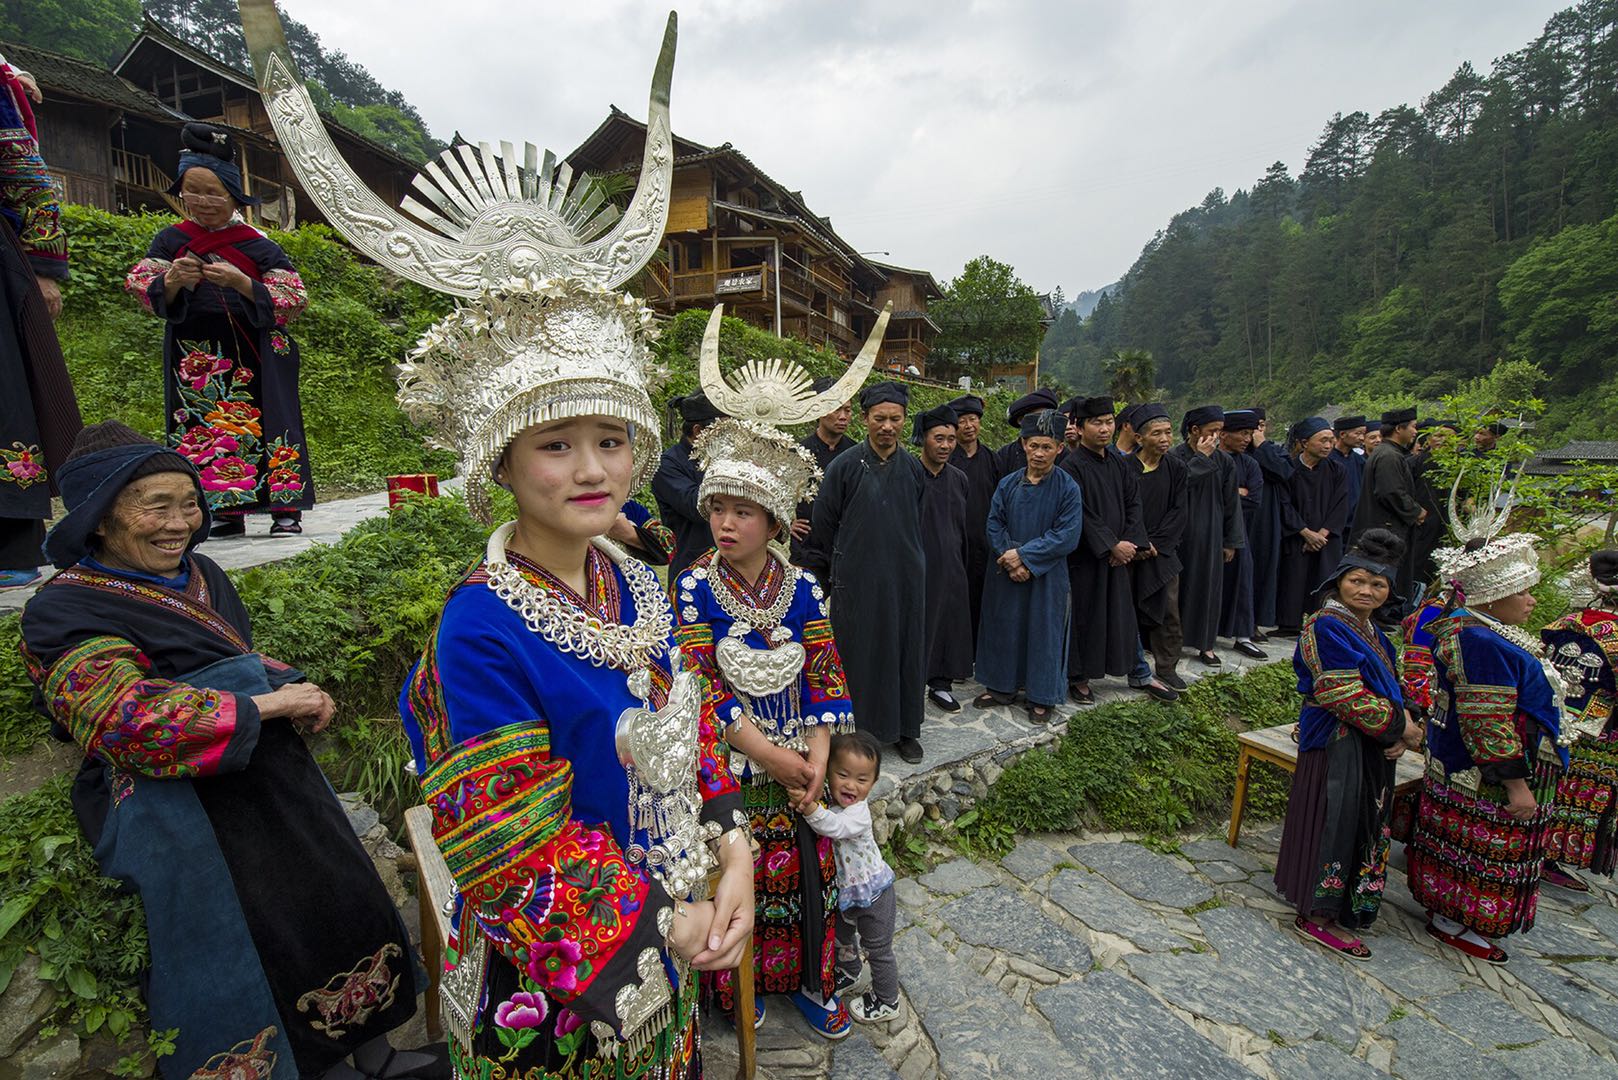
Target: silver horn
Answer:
pixel 482 219
pixel 777 391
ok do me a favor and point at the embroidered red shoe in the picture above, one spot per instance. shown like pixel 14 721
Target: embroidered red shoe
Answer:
pixel 1492 954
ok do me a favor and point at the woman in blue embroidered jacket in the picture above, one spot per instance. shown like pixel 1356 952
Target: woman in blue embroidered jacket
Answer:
pixel 197 792
pixel 1495 752
pixel 573 769
pixel 1353 727
pixel 756 627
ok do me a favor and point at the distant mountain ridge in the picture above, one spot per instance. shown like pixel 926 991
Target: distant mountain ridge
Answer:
pixel 1085 303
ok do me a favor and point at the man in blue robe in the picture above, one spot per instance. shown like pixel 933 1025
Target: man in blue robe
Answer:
pixel 1273 460
pixel 1034 522
pixel 1349 453
pixel 1010 458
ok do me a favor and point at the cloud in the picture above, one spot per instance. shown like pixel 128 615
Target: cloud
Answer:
pixel 1057 137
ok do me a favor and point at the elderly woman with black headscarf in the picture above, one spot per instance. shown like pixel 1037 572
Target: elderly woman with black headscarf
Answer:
pixel 275 950
pixel 226 293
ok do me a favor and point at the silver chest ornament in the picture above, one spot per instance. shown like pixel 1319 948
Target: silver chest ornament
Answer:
pixel 758 672
pixel 658 749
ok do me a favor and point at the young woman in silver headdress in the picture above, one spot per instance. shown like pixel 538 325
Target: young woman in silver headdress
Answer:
pixel 579 789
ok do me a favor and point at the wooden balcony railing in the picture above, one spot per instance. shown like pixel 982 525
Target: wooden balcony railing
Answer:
pixel 140 171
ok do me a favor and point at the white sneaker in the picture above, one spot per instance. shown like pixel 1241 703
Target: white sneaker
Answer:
pixel 869 1009
pixel 856 986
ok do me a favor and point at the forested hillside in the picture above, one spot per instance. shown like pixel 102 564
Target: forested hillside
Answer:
pixel 100 30
pixel 1414 250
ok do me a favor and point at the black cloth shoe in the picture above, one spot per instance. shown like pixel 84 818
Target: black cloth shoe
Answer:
pixel 944 700
pixel 1171 679
pixel 1209 659
pixel 1158 691
pixel 1247 648
pixel 909 749
pixel 286 525
pixel 233 525
pixel 1087 696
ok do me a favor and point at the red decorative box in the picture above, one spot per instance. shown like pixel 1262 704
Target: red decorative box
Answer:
pixel 401 488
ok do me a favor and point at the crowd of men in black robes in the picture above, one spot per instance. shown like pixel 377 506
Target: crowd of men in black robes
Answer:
pixel 1179 536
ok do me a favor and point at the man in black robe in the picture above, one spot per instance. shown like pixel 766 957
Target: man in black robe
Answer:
pixel 825 442
pixel 1236 620
pixel 1214 531
pixel 943 541
pixel 1274 461
pixel 1105 636
pixel 977 462
pixel 1127 438
pixel 676 481
pixel 1432 494
pixel 1010 457
pixel 1314 516
pixel 869 511
pixel 1348 452
pixel 1388 499
pixel 1070 411
pixel 1155 573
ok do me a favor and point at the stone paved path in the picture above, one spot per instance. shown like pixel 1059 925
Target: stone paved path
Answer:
pixel 1097 956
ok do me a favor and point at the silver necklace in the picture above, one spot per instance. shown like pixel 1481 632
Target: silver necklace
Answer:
pixel 577 631
pixel 745 616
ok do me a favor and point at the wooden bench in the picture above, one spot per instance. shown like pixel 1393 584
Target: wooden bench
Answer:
pixel 433 888
pixel 1275 746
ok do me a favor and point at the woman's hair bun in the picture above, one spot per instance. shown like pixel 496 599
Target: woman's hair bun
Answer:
pixel 1477 543
pixel 200 138
pixel 1380 545
pixel 1604 567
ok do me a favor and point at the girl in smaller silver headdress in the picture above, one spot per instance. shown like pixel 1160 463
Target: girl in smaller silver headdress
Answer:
pixel 1584 818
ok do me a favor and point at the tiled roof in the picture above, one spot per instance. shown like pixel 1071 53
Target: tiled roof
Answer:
pixel 68 76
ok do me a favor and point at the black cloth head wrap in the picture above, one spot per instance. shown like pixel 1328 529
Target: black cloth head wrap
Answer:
pixel 943 416
pixel 1348 423
pixel 1141 415
pixel 1241 420
pixel 1308 428
pixel 104 461
pixel 1396 417
pixel 1604 567
pixel 1090 407
pixel 205 146
pixel 1126 415
pixel 1260 412
pixel 1202 414
pixel 1046 422
pixel 884 393
pixel 697 409
pixel 1353 560
pixel 1039 399
pixel 967 403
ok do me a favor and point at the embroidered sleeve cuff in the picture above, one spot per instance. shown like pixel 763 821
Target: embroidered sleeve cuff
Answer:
pixel 1345 695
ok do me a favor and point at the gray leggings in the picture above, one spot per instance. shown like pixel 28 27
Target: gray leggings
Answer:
pixel 873 925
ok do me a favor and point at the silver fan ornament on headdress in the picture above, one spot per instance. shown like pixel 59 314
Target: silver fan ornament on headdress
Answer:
pixel 477 218
pixel 1486 566
pixel 746 454
pixel 545 334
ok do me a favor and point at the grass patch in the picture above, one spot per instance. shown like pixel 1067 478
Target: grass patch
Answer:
pixel 1210 904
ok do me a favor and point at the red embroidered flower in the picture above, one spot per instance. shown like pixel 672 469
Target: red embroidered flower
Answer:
pixel 281 455
pixel 236 417
pixel 25 469
pixel 279 342
pixel 229 474
pixel 555 965
pixel 242 376
pixel 521 1010
pixel 201 444
pixel 197 367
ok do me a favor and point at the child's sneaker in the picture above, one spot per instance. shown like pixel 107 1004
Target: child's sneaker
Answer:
pixel 870 1009
pixel 829 1021
pixel 859 984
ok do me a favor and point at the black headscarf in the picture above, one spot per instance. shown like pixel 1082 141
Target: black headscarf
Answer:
pixel 943 416
pixel 208 147
pixel 1046 422
pixel 884 393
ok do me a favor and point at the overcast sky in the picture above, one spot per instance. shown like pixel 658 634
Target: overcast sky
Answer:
pixel 1057 137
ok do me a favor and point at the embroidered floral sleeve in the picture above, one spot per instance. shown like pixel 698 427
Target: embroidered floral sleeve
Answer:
pixel 1416 675
pixel 1486 713
pixel 104 693
pixel 142 276
pixel 26 190
pixel 721 793
pixel 287 294
pixel 827 701
pixel 554 895
pixel 1339 685
pixel 696 643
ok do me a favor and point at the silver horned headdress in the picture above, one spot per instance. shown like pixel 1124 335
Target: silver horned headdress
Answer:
pixel 546 335
pixel 1486 566
pixel 746 454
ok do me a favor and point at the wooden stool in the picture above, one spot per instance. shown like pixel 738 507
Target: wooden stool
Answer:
pixel 1275 746
pixel 433 887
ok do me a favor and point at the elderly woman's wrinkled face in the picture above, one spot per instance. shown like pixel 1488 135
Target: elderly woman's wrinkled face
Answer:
pixel 1362 592
pixel 570 477
pixel 205 199
pixel 150 524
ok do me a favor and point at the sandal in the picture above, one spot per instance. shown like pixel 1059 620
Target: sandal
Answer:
pixel 828 1021
pixel 1353 950
pixel 1492 954
pixel 1552 874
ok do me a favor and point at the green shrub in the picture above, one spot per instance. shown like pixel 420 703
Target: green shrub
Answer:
pixel 90 937
pixel 359 323
pixel 20 724
pixel 1142 766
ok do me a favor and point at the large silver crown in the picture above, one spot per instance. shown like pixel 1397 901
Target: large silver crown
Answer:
pixel 545 336
pixel 1486 566
pixel 746 454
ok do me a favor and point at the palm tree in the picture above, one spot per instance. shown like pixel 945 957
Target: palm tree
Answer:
pixel 1131 374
